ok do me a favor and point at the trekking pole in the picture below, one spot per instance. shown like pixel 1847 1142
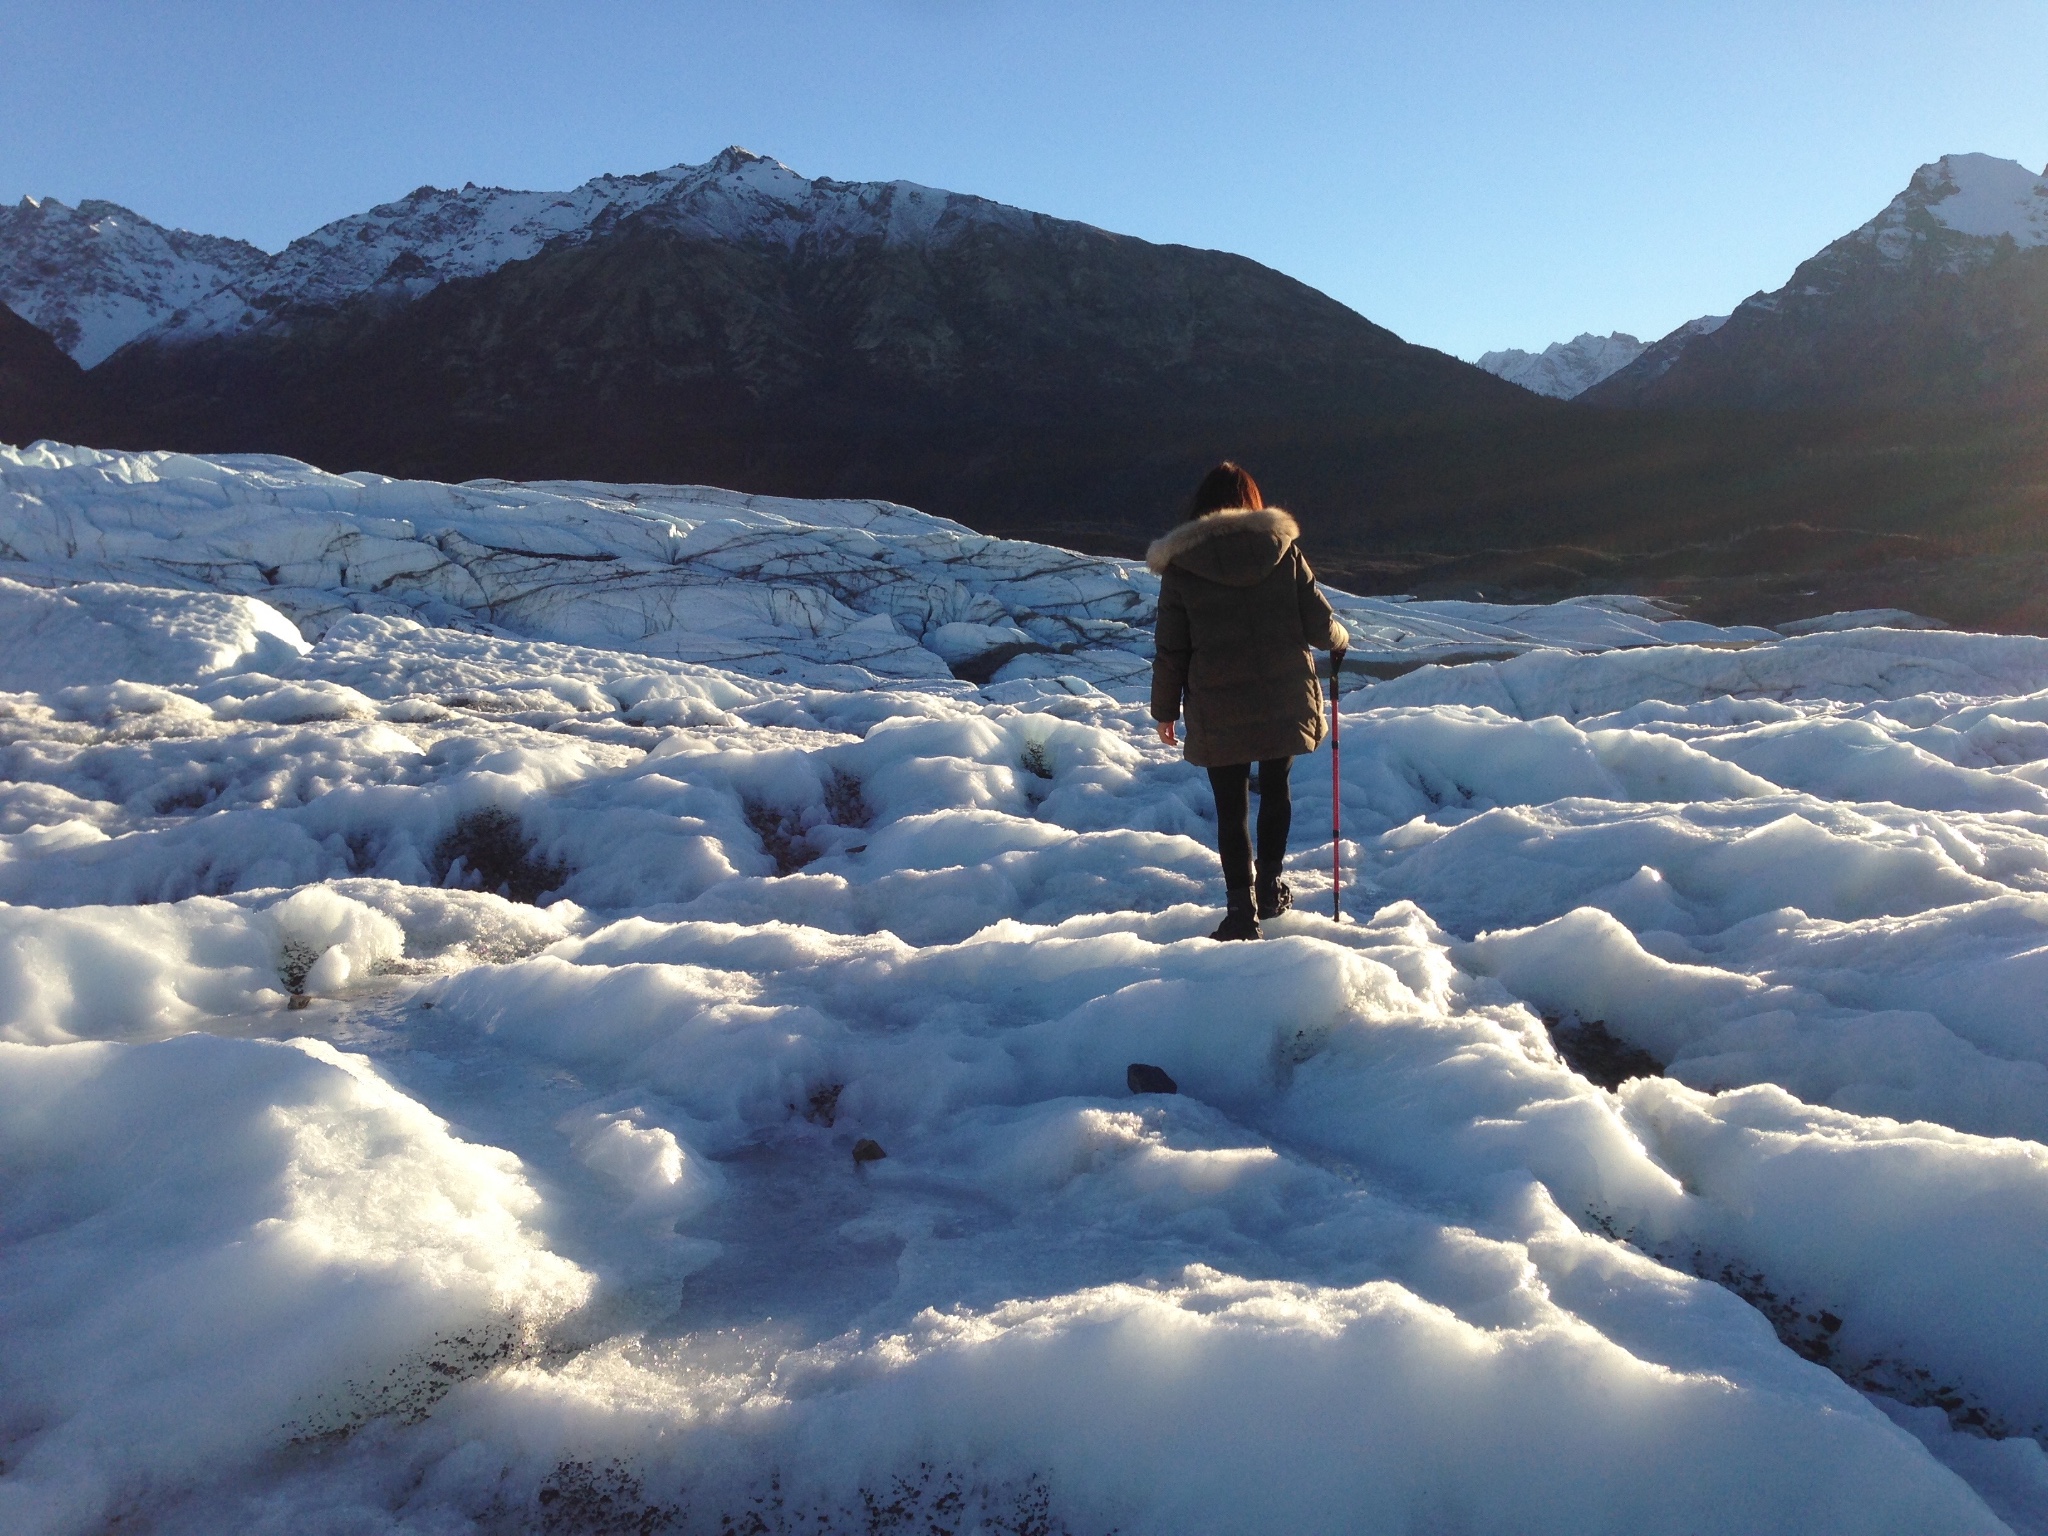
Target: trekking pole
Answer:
pixel 1336 795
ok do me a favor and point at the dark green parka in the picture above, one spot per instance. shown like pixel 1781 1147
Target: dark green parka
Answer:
pixel 1239 611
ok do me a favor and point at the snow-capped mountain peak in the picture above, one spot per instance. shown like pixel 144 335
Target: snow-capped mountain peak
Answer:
pixel 1898 287
pixel 1979 196
pixel 760 171
pixel 99 275
pixel 1565 368
pixel 431 235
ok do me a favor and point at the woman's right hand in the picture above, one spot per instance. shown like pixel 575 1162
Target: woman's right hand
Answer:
pixel 1166 734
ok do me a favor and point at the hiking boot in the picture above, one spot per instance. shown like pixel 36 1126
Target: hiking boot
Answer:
pixel 1241 921
pixel 1274 897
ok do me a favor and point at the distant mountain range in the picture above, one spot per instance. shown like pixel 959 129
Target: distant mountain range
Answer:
pixel 123 277
pixel 737 323
pixel 1565 369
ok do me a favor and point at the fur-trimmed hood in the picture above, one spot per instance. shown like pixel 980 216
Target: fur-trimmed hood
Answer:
pixel 1238 546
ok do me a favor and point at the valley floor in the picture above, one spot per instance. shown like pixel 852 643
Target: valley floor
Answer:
pixel 603 1008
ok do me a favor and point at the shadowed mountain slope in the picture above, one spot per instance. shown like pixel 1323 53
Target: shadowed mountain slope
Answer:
pixel 41 389
pixel 1939 302
pixel 1043 372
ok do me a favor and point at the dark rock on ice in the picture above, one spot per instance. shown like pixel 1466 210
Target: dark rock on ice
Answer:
pixel 1599 1056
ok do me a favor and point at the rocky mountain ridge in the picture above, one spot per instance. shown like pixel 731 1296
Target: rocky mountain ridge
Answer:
pixel 432 235
pixel 97 276
pixel 1565 369
pixel 739 324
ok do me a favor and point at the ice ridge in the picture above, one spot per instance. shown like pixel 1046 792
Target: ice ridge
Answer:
pixel 840 593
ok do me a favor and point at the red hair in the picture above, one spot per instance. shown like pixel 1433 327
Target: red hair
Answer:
pixel 1224 487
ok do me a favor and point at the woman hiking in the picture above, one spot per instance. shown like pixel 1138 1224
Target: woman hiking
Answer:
pixel 1239 612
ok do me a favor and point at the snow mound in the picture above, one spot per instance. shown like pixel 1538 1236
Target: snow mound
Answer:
pixel 219 1246
pixel 94 632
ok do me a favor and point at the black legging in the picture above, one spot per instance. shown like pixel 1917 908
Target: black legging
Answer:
pixel 1232 787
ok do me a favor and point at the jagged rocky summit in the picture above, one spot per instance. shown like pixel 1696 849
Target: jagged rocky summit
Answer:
pixel 97 276
pixel 1565 369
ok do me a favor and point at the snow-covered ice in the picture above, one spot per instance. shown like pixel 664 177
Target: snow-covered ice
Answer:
pixel 454 937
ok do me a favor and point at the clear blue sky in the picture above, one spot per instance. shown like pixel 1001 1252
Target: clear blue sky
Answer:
pixel 1471 174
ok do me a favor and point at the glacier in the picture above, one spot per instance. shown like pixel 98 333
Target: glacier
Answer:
pixel 452 938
